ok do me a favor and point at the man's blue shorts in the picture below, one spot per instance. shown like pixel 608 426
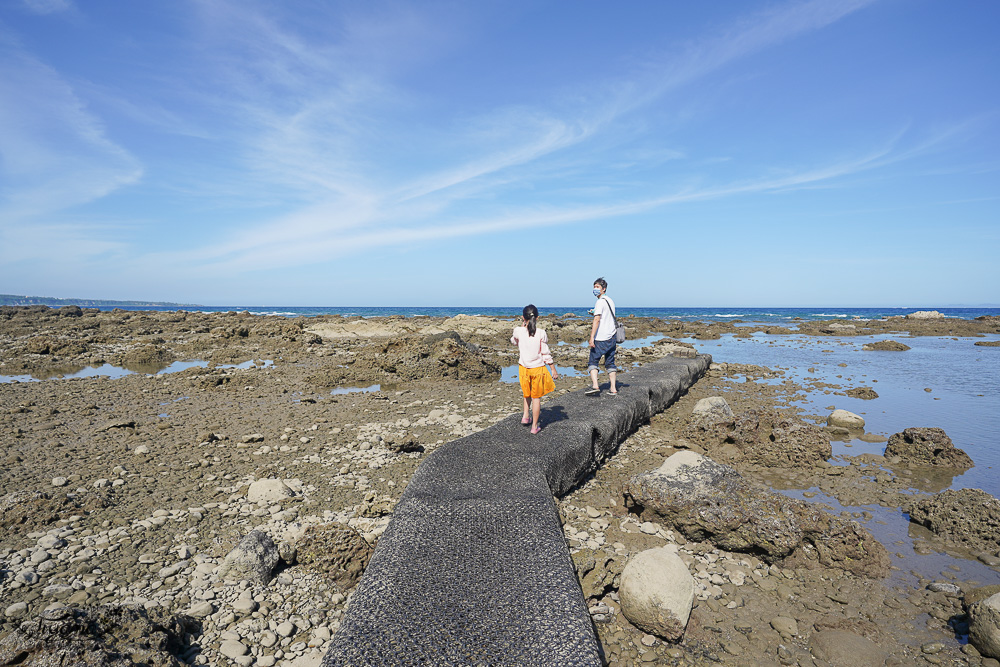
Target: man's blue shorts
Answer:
pixel 606 349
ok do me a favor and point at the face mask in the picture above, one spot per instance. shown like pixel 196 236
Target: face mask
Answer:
pixel 597 292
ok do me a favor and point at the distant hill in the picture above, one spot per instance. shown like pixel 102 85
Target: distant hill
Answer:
pixel 17 300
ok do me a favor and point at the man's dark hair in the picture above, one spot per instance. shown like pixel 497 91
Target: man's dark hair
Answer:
pixel 602 282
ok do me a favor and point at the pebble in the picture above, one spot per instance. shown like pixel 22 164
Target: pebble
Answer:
pixel 16 610
pixel 201 609
pixel 245 606
pixel 285 629
pixel 932 648
pixel 59 481
pixel 233 649
pixel 989 559
pixel 649 528
pixel 28 577
pixel 946 588
pixel 785 626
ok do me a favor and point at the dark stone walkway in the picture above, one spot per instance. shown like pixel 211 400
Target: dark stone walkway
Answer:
pixel 473 569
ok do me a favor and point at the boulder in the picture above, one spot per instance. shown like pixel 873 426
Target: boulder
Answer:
pixel 984 626
pixel 709 501
pixel 839 328
pixel 979 594
pixel 970 517
pixel 864 393
pixel 713 406
pixel 927 446
pixel 925 315
pixel 760 437
pixel 657 592
pixel 147 358
pixel 253 559
pixel 70 311
pixel 885 346
pixel 846 419
pixel 335 551
pixel 111 636
pixel 269 491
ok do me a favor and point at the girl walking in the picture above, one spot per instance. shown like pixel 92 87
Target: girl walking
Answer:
pixel 532 343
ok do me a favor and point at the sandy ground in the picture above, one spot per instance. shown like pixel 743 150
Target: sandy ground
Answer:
pixel 132 490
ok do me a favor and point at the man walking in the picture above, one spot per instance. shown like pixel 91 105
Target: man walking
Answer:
pixel 602 339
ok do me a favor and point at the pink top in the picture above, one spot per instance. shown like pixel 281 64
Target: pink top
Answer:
pixel 534 349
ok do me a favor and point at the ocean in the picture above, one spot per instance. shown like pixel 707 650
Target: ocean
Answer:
pixel 773 316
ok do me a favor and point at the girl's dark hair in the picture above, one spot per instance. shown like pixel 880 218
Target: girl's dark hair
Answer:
pixel 530 313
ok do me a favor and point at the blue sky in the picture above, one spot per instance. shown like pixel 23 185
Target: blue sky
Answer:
pixel 495 153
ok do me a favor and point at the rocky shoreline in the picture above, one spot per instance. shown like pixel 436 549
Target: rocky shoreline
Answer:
pixel 135 490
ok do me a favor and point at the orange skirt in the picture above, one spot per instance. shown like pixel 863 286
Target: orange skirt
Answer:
pixel 535 382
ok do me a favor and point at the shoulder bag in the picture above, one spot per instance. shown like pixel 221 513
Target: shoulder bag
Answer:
pixel 619 329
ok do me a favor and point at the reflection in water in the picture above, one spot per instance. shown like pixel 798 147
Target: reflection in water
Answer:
pixel 355 390
pixel 641 342
pixel 930 479
pixel 509 373
pixel 115 372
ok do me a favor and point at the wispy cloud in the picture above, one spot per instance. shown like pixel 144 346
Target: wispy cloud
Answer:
pixel 319 120
pixel 317 140
pixel 55 153
pixel 48 6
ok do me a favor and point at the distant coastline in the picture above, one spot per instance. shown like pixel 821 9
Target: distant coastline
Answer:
pixel 19 300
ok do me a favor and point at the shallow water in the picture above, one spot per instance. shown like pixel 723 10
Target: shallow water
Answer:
pixel 115 372
pixel 508 374
pixel 340 391
pixel 964 380
pixel 964 400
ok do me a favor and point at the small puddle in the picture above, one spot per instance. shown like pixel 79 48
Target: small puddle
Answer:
pixel 509 373
pixel 641 342
pixel 116 372
pixel 339 391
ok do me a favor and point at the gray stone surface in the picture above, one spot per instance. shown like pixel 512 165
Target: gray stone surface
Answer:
pixel 984 626
pixel 846 419
pixel 709 501
pixel 473 568
pixel 927 446
pixel 657 592
pixel 713 406
pixel 253 559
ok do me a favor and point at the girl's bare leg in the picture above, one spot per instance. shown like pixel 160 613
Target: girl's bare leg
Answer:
pixel 536 407
pixel 524 404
